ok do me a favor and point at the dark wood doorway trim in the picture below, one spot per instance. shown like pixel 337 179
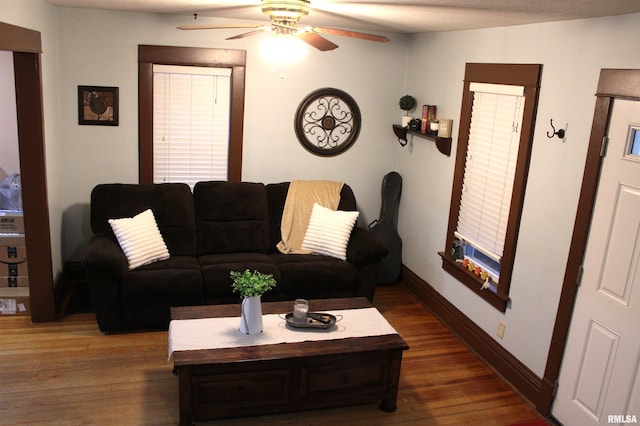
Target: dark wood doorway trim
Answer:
pixel 613 84
pixel 26 47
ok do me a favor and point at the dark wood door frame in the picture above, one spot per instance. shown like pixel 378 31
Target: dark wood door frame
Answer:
pixel 26 47
pixel 614 83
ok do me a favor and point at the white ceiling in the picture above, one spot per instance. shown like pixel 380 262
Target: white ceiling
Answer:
pixel 405 16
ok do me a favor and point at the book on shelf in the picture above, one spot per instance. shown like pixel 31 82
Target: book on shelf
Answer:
pixel 424 124
pixel 428 116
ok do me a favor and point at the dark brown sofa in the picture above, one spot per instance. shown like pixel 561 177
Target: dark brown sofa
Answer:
pixel 221 227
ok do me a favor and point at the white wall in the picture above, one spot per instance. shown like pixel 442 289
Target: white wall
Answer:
pixel 9 154
pixel 106 55
pixel 40 16
pixel 572 54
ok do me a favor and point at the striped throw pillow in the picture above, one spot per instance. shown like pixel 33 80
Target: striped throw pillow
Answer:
pixel 329 231
pixel 140 239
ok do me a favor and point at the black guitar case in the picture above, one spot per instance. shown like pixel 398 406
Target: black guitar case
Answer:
pixel 386 228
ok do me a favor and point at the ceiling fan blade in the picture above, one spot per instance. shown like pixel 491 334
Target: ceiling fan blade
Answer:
pixel 354 34
pixel 250 33
pixel 217 27
pixel 317 41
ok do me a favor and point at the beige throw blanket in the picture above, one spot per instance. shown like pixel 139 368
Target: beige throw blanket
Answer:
pixel 297 210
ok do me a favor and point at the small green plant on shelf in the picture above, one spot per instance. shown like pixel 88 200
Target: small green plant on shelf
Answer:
pixel 250 284
pixel 407 103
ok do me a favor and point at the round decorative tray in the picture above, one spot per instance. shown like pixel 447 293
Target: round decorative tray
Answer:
pixel 314 320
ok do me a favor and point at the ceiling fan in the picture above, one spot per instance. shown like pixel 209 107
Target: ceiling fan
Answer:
pixel 284 16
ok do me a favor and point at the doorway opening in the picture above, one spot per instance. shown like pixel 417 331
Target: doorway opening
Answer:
pixel 26 47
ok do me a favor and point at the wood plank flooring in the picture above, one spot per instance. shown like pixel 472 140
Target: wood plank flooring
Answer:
pixel 68 373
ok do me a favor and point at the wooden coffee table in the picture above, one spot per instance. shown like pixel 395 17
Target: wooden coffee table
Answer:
pixel 267 379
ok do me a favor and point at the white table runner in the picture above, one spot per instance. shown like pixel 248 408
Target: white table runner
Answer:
pixel 218 333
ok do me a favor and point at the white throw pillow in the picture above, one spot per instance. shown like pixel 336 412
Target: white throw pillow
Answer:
pixel 140 239
pixel 329 231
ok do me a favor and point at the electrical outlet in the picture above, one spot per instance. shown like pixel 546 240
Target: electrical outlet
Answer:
pixel 501 327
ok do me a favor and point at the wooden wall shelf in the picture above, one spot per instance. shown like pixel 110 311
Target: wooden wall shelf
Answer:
pixel 443 144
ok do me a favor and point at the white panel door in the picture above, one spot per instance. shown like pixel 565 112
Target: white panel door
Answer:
pixel 599 380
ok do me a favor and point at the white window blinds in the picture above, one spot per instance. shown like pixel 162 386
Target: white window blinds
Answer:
pixel 494 137
pixel 190 123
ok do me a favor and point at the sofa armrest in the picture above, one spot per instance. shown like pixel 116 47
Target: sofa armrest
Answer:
pixel 104 254
pixel 365 246
pixel 106 265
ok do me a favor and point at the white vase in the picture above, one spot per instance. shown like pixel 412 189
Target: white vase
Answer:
pixel 405 120
pixel 251 318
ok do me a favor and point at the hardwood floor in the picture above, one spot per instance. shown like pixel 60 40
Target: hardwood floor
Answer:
pixel 68 373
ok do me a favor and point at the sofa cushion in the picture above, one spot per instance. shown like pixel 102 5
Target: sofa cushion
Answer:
pixel 171 203
pixel 174 282
pixel 216 270
pixel 314 276
pixel 231 217
pixel 140 239
pixel 328 231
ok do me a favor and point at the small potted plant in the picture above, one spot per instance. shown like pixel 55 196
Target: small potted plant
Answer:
pixel 251 286
pixel 407 103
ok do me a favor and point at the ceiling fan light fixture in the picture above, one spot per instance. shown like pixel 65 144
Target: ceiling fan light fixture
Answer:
pixel 283 48
pixel 285 10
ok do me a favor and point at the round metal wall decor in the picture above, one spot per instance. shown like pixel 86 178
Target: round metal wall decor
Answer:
pixel 327 122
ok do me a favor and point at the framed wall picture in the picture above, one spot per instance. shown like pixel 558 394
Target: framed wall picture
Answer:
pixel 97 106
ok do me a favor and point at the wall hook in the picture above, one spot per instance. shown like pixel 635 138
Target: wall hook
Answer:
pixel 560 132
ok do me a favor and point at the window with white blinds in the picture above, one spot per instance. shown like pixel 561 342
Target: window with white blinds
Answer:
pixel 191 107
pixel 490 164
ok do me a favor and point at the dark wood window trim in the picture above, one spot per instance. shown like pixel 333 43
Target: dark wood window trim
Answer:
pixel 189 56
pixel 528 76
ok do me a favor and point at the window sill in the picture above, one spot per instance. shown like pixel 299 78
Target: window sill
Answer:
pixel 474 283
